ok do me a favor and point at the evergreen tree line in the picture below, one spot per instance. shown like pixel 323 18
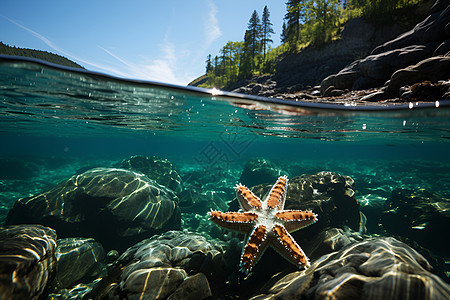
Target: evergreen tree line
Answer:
pixel 306 22
pixel 238 60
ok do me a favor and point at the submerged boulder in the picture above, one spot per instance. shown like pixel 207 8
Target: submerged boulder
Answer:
pixel 27 261
pixel 372 206
pixel 201 202
pixel 328 194
pixel 116 207
pixel 17 169
pixel 260 170
pixel 420 215
pixel 159 169
pixel 77 258
pixel 381 268
pixel 164 266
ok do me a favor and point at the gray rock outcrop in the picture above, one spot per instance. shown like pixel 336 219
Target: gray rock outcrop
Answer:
pixel 417 55
pixel 314 64
pixel 296 71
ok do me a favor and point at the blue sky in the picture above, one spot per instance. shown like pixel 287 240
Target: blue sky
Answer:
pixel 165 41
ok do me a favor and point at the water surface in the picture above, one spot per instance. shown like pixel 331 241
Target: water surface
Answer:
pixel 56 121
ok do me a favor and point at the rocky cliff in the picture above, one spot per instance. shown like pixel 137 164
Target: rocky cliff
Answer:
pixel 295 72
pixel 358 38
pixel 389 58
pixel 421 54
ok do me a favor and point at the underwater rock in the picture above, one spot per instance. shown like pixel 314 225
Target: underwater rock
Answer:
pixel 156 267
pixel 116 207
pixel 438 264
pixel 201 202
pixel 159 169
pixel 330 240
pixel 27 260
pixel 153 283
pixel 420 215
pixel 372 206
pixel 272 265
pixel 382 268
pixel 17 169
pixel 78 292
pixel 77 258
pixel 212 179
pixel 192 288
pixel 195 204
pixel 260 170
pixel 328 194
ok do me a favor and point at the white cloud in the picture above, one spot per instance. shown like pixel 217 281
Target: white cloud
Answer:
pixel 211 26
pixel 162 69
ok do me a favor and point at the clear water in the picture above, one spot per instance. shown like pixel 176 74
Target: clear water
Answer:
pixel 55 121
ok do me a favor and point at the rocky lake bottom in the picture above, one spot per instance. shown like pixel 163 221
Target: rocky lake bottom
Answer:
pixel 138 228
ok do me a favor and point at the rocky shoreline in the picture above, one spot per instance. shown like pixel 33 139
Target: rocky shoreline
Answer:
pixel 412 66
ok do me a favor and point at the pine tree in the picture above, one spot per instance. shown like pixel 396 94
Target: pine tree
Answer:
pixel 324 18
pixel 209 66
pixel 283 35
pixel 294 17
pixel 245 66
pixel 267 30
pixel 236 54
pixel 216 66
pixel 224 58
pixel 254 31
pixel 228 62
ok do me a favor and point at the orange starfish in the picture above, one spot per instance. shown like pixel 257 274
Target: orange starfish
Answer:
pixel 266 223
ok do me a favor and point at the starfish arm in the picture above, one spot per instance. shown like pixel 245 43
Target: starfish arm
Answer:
pixel 284 244
pixel 240 222
pixel 277 194
pixel 246 198
pixel 296 219
pixel 265 223
pixel 253 248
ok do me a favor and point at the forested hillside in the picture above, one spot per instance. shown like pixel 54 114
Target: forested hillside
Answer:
pixel 47 56
pixel 306 23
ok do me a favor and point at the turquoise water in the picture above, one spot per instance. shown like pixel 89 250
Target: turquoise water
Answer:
pixel 55 122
